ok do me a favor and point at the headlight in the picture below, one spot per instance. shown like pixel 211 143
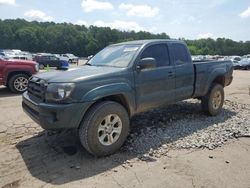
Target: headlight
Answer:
pixel 59 91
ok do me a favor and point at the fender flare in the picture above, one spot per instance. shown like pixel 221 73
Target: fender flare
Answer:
pixel 213 75
pixel 104 91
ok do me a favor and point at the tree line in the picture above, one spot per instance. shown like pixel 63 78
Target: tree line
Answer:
pixel 83 41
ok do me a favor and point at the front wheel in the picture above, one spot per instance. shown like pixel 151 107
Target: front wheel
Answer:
pixel 212 103
pixel 104 128
pixel 18 83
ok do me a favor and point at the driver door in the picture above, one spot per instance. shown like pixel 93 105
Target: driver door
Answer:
pixel 155 86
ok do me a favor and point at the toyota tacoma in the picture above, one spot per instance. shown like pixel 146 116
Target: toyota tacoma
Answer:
pixel 120 81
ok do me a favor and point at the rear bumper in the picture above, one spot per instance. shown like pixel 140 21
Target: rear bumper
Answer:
pixel 54 116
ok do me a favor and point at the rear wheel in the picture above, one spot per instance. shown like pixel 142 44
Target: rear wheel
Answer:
pixel 105 128
pixel 212 103
pixel 18 83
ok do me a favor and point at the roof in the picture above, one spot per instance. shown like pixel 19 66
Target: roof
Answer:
pixel 143 42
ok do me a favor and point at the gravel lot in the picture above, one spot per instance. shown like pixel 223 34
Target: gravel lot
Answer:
pixel 176 139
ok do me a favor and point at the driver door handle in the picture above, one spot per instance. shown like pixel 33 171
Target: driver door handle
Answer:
pixel 170 74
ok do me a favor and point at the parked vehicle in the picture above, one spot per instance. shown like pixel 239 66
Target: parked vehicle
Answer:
pixel 20 57
pixel 2 52
pixel 15 73
pixel 71 58
pixel 244 64
pixel 236 64
pixel 120 81
pixel 50 60
pixel 247 56
pixel 235 58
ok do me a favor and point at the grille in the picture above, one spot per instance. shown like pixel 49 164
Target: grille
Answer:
pixel 37 88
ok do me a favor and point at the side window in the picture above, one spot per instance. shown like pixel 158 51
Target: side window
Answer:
pixel 52 58
pixel 180 54
pixel 44 58
pixel 159 52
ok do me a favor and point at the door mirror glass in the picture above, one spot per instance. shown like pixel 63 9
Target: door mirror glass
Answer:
pixel 146 63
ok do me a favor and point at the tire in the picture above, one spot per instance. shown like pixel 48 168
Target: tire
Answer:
pixel 18 83
pixel 93 128
pixel 212 103
pixel 41 66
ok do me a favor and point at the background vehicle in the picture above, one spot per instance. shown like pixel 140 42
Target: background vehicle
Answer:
pixel 15 73
pixel 50 60
pixel 236 64
pixel 121 80
pixel 244 64
pixel 20 57
pixel 71 58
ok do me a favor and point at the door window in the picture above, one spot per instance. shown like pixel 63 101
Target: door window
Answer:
pixel 159 52
pixel 53 58
pixel 180 54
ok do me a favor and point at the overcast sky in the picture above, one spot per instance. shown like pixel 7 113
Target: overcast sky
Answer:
pixel 190 19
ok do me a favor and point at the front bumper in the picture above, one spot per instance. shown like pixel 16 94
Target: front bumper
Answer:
pixel 54 116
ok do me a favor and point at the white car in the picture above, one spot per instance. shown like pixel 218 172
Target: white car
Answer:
pixel 245 63
pixel 71 58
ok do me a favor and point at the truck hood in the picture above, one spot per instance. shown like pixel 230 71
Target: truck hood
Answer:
pixel 77 74
pixel 21 62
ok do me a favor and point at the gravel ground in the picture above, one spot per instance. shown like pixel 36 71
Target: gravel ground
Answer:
pixel 184 126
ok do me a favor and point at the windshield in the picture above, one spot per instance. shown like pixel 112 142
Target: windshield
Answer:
pixel 116 56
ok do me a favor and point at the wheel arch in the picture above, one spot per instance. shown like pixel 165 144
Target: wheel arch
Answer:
pixel 220 79
pixel 10 74
pixel 118 98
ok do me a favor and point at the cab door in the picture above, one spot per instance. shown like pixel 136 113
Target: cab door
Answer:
pixel 155 86
pixel 184 71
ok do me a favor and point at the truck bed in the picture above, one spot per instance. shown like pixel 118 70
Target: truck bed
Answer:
pixel 205 71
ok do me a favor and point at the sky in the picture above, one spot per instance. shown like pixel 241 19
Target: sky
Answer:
pixel 189 19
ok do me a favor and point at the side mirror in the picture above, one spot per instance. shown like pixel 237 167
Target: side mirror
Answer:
pixel 146 63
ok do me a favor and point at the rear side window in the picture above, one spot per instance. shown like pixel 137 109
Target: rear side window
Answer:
pixel 52 58
pixel 43 58
pixel 159 52
pixel 180 54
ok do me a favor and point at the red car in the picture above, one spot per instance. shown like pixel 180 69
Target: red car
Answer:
pixel 15 73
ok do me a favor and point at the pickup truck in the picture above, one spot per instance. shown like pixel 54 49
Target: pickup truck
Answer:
pixel 15 73
pixel 120 81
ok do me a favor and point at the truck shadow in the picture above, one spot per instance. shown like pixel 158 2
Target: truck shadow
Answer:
pixel 5 92
pixel 59 158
